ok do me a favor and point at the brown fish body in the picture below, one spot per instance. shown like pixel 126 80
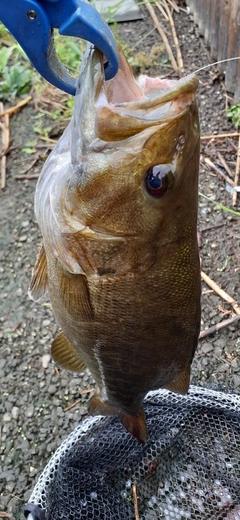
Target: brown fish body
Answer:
pixel 120 262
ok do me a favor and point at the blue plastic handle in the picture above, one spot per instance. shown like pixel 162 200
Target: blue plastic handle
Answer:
pixel 31 22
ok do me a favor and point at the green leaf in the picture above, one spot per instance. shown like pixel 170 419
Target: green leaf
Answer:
pixel 233 113
pixel 224 208
pixel 29 150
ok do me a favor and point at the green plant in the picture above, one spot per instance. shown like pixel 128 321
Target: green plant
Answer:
pixel 16 80
pixel 224 208
pixel 70 51
pixel 233 113
pixel 16 75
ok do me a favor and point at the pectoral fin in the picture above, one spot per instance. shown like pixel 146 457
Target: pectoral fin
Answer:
pixel 65 354
pixel 134 424
pixel 180 383
pixel 39 283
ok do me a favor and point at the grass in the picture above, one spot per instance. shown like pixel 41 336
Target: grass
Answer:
pixel 233 113
pixel 223 208
pixel 17 76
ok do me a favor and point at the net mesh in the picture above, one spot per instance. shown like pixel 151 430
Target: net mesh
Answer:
pixel 189 467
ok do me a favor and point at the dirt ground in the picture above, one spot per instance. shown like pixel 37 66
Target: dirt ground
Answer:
pixel 34 395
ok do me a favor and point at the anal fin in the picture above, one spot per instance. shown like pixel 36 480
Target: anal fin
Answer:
pixel 134 424
pixel 39 283
pixel 180 383
pixel 65 354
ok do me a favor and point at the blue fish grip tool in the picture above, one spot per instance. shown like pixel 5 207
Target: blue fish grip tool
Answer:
pixel 32 22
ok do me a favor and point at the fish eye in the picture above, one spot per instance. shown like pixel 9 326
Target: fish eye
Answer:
pixel 159 179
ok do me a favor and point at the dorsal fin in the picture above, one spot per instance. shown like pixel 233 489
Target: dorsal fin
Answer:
pixel 39 283
pixel 65 354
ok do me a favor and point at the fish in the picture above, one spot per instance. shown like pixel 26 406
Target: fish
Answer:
pixel 116 203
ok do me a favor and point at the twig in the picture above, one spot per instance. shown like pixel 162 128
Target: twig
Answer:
pixel 26 177
pixel 48 139
pixel 78 400
pixel 72 405
pixel 135 501
pixel 218 171
pixel 162 34
pixel 220 292
pixel 15 108
pixel 4 515
pixel 225 165
pixel 6 152
pixel 236 178
pixel 57 371
pixel 175 38
pixel 34 161
pixel 218 136
pixel 219 326
pixel 224 311
pixel 5 143
pixel 16 326
pixel 208 228
pixel 160 7
pixel 84 392
pixel 232 144
pixel 174 5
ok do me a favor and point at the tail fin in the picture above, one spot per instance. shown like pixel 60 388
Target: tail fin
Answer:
pixel 134 424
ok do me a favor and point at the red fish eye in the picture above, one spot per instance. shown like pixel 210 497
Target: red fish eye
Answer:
pixel 158 179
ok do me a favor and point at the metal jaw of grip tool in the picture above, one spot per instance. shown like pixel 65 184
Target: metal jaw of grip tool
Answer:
pixel 31 22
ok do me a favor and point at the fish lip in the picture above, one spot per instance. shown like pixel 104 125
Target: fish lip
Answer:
pixel 187 85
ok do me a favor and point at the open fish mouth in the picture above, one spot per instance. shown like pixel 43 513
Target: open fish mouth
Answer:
pixel 145 92
pixel 124 106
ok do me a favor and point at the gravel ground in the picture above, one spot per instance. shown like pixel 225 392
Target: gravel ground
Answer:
pixel 34 394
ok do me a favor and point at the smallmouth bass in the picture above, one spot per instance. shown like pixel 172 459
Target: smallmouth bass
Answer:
pixel 116 203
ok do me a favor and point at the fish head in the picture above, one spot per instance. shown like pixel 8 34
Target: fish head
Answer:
pixel 135 153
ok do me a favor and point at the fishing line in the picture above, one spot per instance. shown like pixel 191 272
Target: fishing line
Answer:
pixel 216 63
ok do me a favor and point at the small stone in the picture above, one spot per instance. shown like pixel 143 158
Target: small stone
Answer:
pixel 46 323
pixel 7 417
pixel 2 363
pixel 15 412
pixel 45 360
pixel 25 223
pixel 52 389
pixel 27 495
pixel 23 238
pixel 13 504
pixel 5 499
pixel 220 343
pixel 29 411
pixel 206 347
pixel 10 487
pixel 236 380
pixel 19 291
